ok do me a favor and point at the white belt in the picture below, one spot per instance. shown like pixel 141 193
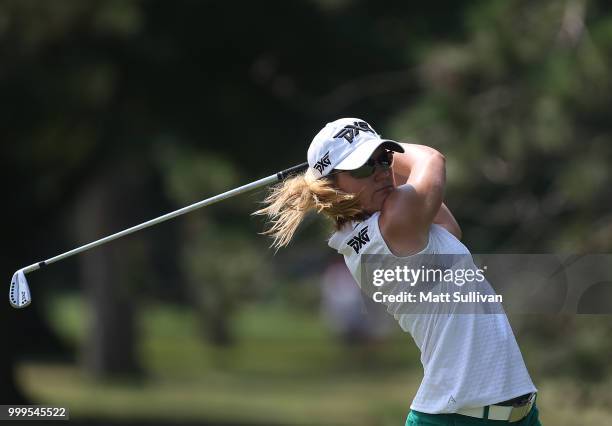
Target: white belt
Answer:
pixel 500 412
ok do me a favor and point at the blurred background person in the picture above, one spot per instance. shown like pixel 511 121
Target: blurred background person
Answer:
pixel 353 318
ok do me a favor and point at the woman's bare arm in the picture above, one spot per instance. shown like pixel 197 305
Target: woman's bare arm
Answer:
pixel 409 210
pixel 402 169
pixel 404 162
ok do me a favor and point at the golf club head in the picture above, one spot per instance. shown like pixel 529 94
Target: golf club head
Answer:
pixel 19 294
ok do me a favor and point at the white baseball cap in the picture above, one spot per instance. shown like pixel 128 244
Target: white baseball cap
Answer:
pixel 345 144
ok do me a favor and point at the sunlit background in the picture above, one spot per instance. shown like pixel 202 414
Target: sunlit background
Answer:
pixel 116 111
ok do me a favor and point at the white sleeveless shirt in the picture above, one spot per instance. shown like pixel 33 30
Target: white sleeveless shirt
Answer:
pixel 469 360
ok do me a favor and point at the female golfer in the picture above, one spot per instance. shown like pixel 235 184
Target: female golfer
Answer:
pixel 385 199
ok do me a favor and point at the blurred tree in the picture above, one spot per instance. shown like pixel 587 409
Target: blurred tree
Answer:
pixel 225 270
pixel 519 110
pixel 57 98
pixel 111 275
pixel 223 264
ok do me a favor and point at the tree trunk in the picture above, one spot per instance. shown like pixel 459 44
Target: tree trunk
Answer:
pixel 111 341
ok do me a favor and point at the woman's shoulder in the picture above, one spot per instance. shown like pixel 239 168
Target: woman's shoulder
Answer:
pixel 365 237
pixel 355 234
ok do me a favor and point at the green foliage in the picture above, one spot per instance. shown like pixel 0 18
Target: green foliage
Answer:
pixel 200 97
pixel 224 265
pixel 518 109
pixel 191 175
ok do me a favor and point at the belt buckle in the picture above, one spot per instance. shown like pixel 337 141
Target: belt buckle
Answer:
pixel 518 413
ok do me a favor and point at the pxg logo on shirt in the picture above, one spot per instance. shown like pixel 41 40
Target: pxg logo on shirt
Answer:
pixel 323 163
pixel 359 240
pixel 350 131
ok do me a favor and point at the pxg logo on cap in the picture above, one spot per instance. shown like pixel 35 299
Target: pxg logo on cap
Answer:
pixel 350 131
pixel 344 144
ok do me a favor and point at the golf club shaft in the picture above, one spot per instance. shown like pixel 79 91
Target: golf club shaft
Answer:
pixel 236 191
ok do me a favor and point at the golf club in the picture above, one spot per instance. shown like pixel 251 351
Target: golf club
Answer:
pixel 19 294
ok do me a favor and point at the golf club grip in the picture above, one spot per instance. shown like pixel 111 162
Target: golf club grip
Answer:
pixel 291 170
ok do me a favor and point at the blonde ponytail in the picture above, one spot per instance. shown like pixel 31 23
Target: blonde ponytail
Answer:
pixel 289 201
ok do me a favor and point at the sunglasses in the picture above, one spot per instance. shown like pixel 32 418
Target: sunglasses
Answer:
pixel 384 160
